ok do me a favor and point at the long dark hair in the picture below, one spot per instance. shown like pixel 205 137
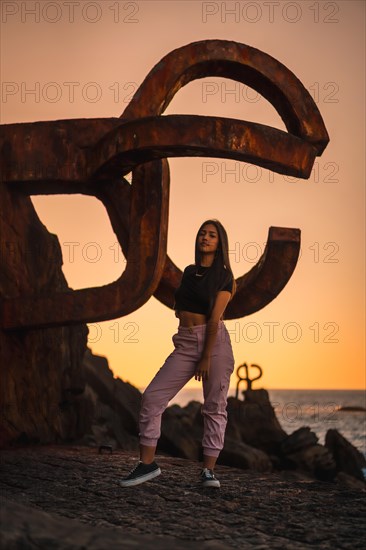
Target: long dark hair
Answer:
pixel 220 272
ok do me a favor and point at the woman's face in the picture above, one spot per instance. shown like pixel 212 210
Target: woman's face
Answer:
pixel 208 239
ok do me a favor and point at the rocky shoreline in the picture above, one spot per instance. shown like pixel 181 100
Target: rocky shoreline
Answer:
pixel 68 497
pixel 254 438
pixel 278 490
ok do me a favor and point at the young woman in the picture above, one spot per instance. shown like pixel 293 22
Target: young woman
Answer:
pixel 202 349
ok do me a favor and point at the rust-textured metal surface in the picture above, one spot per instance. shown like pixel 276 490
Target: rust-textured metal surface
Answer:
pixel 267 278
pixel 91 156
pixel 257 288
pixel 148 220
pixel 249 381
pixel 240 62
pixel 68 165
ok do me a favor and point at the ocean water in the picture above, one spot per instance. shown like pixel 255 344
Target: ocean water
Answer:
pixel 318 409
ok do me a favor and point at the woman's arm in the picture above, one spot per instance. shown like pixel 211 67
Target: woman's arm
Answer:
pixel 203 366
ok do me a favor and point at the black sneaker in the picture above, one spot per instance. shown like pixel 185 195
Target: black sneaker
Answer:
pixel 141 473
pixel 208 478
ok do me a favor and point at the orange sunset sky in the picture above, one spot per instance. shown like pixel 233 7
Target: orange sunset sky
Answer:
pixel 313 334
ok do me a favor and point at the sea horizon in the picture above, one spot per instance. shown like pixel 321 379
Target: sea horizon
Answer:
pixel 318 409
pixel 141 389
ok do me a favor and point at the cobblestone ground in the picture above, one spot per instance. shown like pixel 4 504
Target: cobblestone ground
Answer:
pixel 42 486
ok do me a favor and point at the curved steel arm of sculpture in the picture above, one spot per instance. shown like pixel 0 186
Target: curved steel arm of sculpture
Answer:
pixel 148 222
pixel 130 146
pixel 218 136
pixel 259 286
pixel 190 135
pixel 268 277
pixel 255 289
pixel 238 62
pixel 91 156
pixel 77 155
pixel 301 117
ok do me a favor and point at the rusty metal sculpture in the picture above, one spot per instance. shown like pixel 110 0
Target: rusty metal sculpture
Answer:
pixel 247 378
pixel 92 156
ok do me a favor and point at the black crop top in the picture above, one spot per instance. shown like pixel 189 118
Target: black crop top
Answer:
pixel 193 293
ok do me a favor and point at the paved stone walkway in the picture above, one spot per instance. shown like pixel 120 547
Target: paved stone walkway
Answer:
pixel 42 486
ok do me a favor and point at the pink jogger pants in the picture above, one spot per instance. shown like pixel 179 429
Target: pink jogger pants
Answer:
pixel 177 370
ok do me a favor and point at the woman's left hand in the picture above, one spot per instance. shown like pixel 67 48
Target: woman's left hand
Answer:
pixel 202 370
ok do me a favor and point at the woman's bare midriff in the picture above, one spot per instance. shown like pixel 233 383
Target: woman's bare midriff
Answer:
pixel 188 319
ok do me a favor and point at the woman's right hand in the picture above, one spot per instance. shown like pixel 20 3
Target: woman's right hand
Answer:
pixel 202 369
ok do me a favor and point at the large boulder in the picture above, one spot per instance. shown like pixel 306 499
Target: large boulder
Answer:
pixel 301 451
pixel 239 455
pixel 348 459
pixel 254 422
pixel 181 431
pixel 315 460
pixel 124 398
pixel 112 406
